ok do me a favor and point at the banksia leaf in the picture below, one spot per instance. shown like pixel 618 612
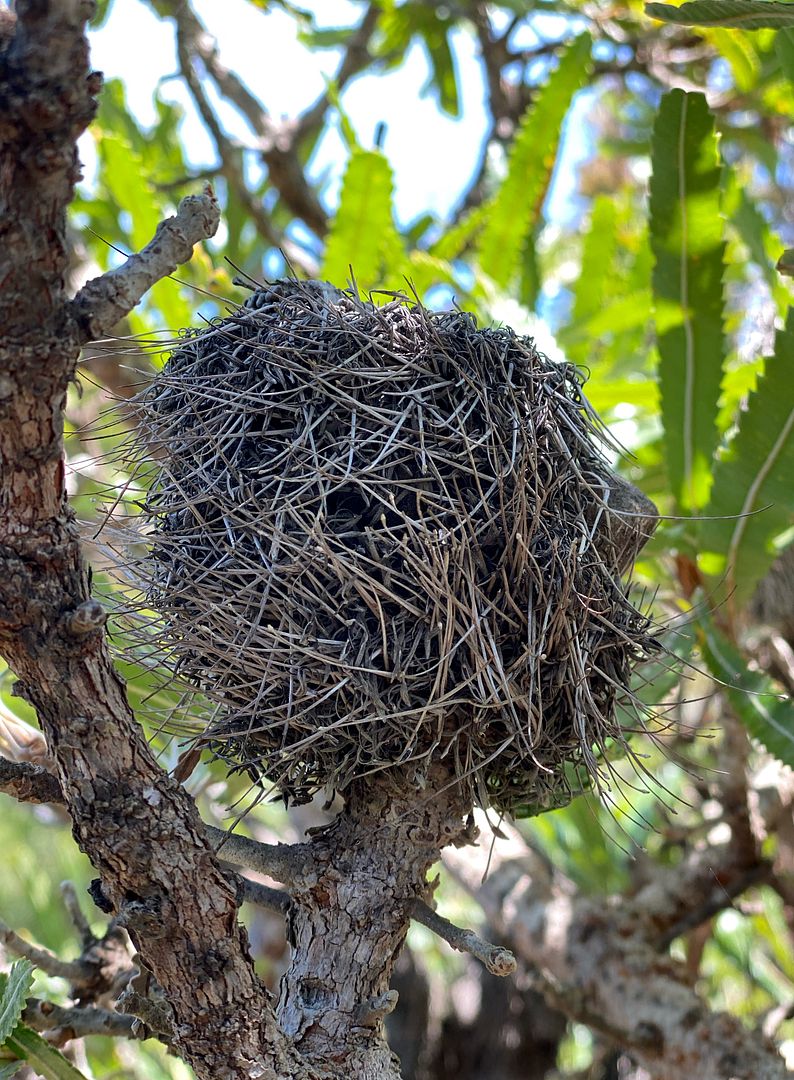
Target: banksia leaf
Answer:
pixel 41 1056
pixel 753 494
pixel 363 234
pixel 518 203
pixel 766 716
pixel 687 240
pixel 736 14
pixel 14 990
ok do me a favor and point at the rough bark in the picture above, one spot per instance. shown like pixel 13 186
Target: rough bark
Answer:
pixel 599 962
pixel 139 828
pixel 351 913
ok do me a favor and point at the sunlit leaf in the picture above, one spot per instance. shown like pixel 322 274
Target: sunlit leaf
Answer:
pixel 14 990
pixel 434 32
pixel 517 205
pixel 101 12
pixel 128 183
pixel 739 14
pixel 753 484
pixel 363 234
pixel 592 291
pixel 737 48
pixel 687 239
pixel 457 239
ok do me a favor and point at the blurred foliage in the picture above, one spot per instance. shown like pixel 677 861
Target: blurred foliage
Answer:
pixel 660 280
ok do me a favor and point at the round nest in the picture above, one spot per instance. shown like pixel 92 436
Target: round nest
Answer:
pixel 380 536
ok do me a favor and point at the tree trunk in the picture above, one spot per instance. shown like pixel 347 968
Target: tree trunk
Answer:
pixel 351 914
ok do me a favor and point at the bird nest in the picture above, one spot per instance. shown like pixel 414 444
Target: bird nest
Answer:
pixel 379 536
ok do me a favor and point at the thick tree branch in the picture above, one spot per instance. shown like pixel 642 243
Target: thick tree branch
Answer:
pixel 29 783
pixel 282 862
pixel 598 962
pixel 65 1023
pixel 253 892
pixel 104 300
pixel 286 863
pixel 276 139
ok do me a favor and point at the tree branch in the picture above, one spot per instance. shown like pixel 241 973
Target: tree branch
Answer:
pixel 497 960
pixel 104 300
pixel 286 863
pixel 73 1022
pixel 29 783
pixel 276 140
pixel 231 159
pixel 253 892
pixel 354 59
pixel 598 962
pixel 71 970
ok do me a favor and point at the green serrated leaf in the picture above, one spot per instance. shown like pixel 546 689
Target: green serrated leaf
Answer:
pixel 42 1057
pixel 363 235
pixel 738 14
pixel 592 291
pixel 14 990
pixel 531 281
pixel 456 240
pixel 686 229
pixel 123 173
pixel 753 478
pixel 516 207
pixel 10 1068
pixel 766 716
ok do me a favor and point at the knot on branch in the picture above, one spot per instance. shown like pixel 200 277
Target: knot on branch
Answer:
pixel 87 618
pixel 371 1012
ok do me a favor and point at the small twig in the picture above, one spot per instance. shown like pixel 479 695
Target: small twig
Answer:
pixel 263 896
pixel 75 1022
pixel 71 970
pixel 29 783
pixel 79 921
pixel 282 862
pixel 104 300
pixel 497 960
pixel 721 897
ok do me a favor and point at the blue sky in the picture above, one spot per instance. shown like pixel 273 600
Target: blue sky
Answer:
pixel 433 155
